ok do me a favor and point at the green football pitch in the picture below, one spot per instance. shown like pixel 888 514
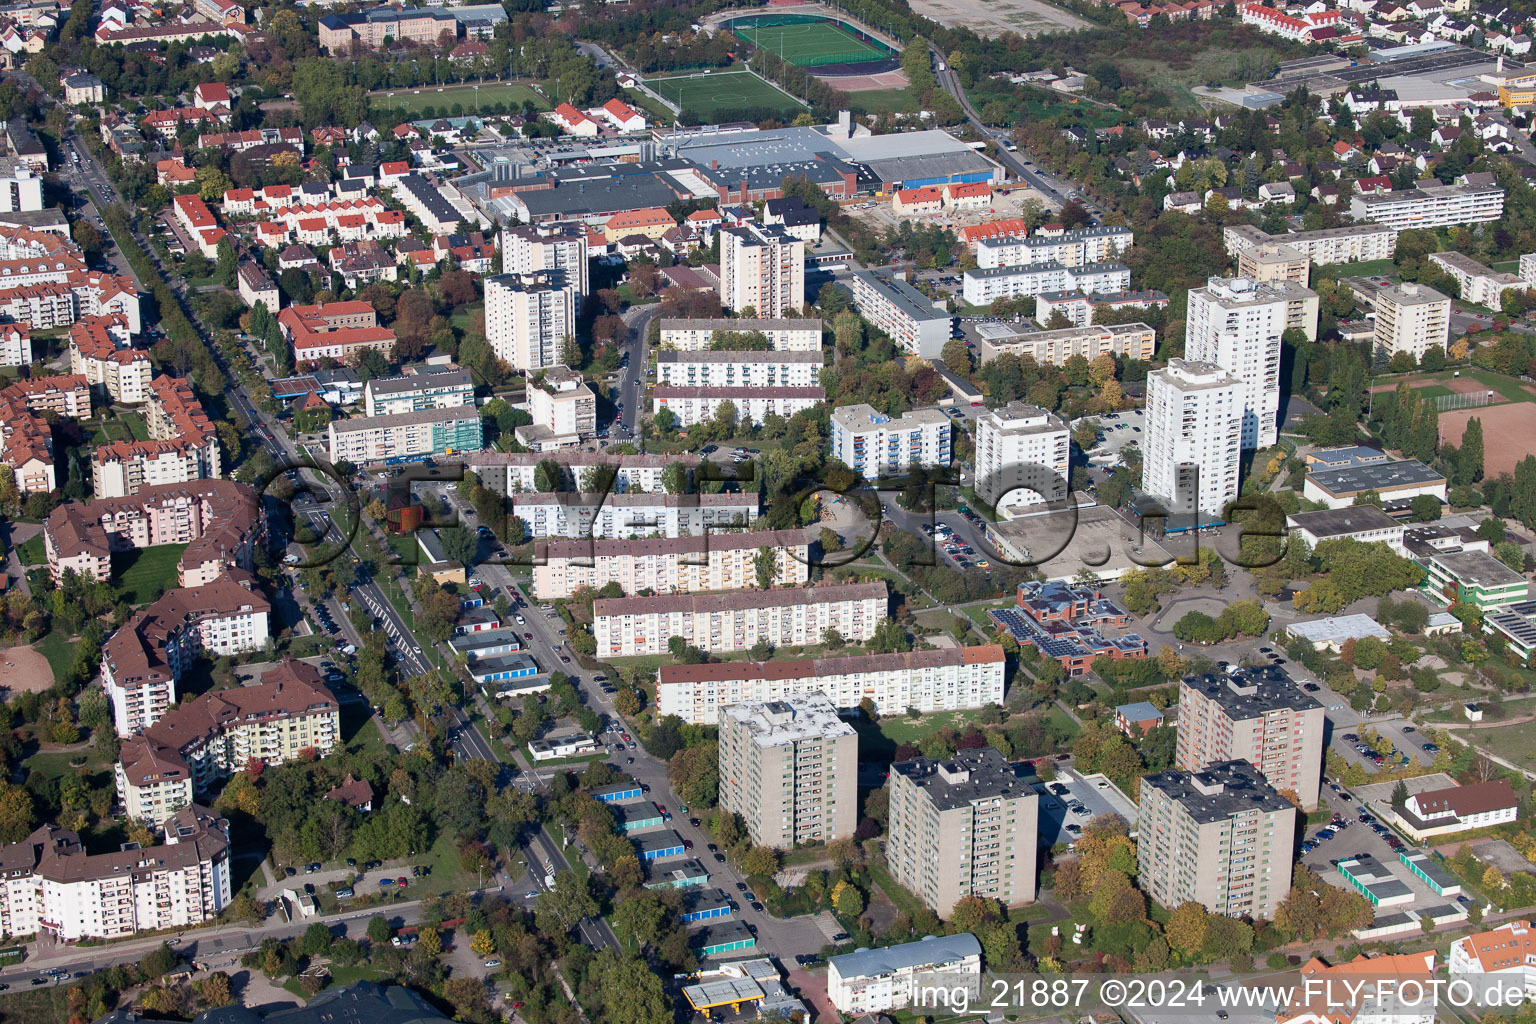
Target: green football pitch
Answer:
pixel 728 90
pixel 811 44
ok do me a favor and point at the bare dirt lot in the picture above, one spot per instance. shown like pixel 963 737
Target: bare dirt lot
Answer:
pixel 23 669
pixel 991 18
pixel 1507 430
pixel 885 81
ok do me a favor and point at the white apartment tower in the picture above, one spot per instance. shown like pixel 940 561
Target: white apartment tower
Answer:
pixel 1194 436
pixel 762 268
pixel 1020 449
pixel 1236 323
pixel 787 767
pixel 526 249
pixel 874 444
pixel 528 317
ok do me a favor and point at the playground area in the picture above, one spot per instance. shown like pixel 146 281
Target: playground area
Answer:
pixel 705 93
pixel 808 41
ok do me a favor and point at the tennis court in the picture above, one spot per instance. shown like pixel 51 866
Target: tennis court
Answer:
pixel 728 90
pixel 807 42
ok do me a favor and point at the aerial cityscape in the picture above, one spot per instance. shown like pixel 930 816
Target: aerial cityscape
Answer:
pixel 805 511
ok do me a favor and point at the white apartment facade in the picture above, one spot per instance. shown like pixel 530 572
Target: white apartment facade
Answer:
pixel 729 369
pixel 1236 324
pixel 983 287
pixel 1354 243
pixel 1411 318
pixel 514 472
pixel 288 715
pixel 529 317
pixel 563 407
pixel 52 886
pixel 761 269
pixel 789 768
pixel 143 660
pixel 15 345
pixel 715 561
pixel 1508 952
pixel 1069 248
pixel 526 249
pixel 407 434
pixel 695 404
pixel 620 515
pixel 436 389
pixel 874 444
pixel 950 679
pixel 1478 283
pixel 1194 417
pixel 1055 347
pixel 877 980
pixel 1023 452
pixel 785 335
pixel 736 621
pixel 908 316
pixel 1433 207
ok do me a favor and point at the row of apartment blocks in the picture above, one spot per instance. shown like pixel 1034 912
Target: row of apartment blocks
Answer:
pixel 26 438
pixel 182 445
pixel 948 679
pixel 1055 347
pixel 142 661
pixel 54 887
pixel 982 287
pixel 176 759
pixel 623 516
pixel 426 432
pixel 510 473
pixel 735 621
pixel 45 283
pixel 784 335
pixel 1069 248
pixel 219 521
pixel 697 404
pixel 731 368
pixel 713 561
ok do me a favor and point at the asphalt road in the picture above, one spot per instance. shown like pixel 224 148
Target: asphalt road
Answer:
pixel 1054 189
pixel 632 377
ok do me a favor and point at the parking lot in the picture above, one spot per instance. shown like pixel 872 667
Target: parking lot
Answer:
pixel 1120 430
pixel 1348 837
pixel 1071 801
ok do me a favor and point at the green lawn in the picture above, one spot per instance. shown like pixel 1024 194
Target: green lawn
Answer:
pixel 144 573
pixel 904 900
pixel 883 101
pixel 32 551
pixel 1369 268
pixel 136 426
pixel 1515 743
pixel 809 44
pixel 60 652
pixel 58 765
pixel 723 90
pixel 441 99
pixel 906 729
pixel 342 976
pixel 358 730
